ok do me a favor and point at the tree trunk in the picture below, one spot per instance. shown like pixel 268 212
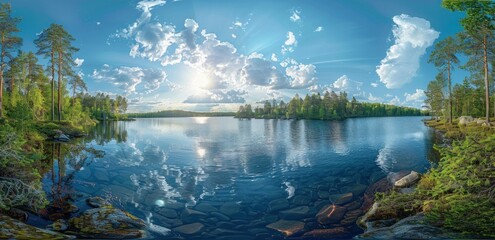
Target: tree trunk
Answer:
pixel 59 86
pixel 450 94
pixel 487 92
pixel 1 76
pixel 74 94
pixel 53 84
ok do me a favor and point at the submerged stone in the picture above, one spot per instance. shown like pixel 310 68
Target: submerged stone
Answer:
pixel 341 199
pixel 288 228
pixel 330 214
pixel 230 208
pixel 329 233
pixel 301 200
pixel 295 213
pixel 15 229
pixel 278 204
pixel 190 229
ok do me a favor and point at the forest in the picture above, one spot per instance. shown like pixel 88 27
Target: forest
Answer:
pixel 329 107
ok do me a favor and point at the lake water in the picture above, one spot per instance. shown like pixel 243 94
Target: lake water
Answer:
pixel 240 175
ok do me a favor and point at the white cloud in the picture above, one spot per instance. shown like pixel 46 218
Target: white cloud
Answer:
pixel 417 97
pixel 234 36
pixel 412 36
pixel 79 62
pixel 98 23
pixel 295 16
pixel 319 29
pixel 217 96
pixel 290 43
pixel 291 39
pixel 395 101
pixel 374 84
pixel 274 57
pixel 132 79
pixel 374 99
pixel 301 76
pixel 344 83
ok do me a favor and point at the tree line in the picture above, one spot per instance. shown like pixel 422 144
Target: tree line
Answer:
pixel 475 43
pixel 31 91
pixel 329 107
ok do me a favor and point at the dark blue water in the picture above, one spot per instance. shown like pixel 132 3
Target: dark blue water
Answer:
pixel 150 165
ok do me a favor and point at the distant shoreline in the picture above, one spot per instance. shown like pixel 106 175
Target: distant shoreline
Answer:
pixel 179 113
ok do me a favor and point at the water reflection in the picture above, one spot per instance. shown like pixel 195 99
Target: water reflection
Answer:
pixel 154 162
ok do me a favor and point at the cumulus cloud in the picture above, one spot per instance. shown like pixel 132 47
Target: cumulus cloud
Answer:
pixel 395 101
pixel 319 29
pixel 274 57
pixel 290 43
pixel 344 83
pixel 374 85
pixel 301 75
pixel 295 16
pixel 412 36
pixel 131 79
pixel 79 62
pixel 217 96
pixel 374 98
pixel 417 97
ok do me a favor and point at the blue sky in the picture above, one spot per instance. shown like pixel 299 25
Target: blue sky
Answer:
pixel 215 55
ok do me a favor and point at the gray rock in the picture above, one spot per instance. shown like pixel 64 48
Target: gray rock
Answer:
pixel 341 199
pixel 166 212
pixel 223 232
pixel 97 202
pixel 301 200
pixel 330 233
pixel 278 204
pixel 175 205
pixel 408 180
pixel 230 208
pixel 190 215
pixel 288 228
pixel 168 222
pixel 205 207
pixel 323 194
pixel 463 120
pixel 410 228
pixel 295 213
pixel 190 229
pixel 220 216
pixel 15 229
pixel 106 223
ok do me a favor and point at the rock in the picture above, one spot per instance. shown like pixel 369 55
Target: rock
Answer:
pixel 190 215
pixel 190 229
pixel 353 205
pixel 288 228
pixel 301 200
pixel 205 207
pixel 168 222
pixel 60 225
pixel 395 176
pixel 341 199
pixel 408 180
pixel 15 229
pixel 323 194
pixel 175 205
pixel 463 120
pixel 480 121
pixel 97 202
pixel 166 212
pixel 330 233
pixel 412 227
pixel 220 216
pixel 18 214
pixel 351 217
pixel 295 213
pixel 106 222
pixel 330 214
pixel 278 204
pixel 223 232
pixel 230 208
pixel 363 221
pixel 163 231
pixel 382 185
pixel 356 189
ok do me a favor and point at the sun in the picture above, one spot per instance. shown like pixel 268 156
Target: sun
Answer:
pixel 199 80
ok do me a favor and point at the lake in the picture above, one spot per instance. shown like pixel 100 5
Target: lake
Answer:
pixel 236 176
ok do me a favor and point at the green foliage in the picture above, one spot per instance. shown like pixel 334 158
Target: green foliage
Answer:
pixel 178 113
pixel 330 106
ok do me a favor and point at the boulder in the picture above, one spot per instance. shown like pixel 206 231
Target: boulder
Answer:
pixel 408 180
pixel 97 202
pixel 106 222
pixel 190 215
pixel 463 120
pixel 168 213
pixel 301 200
pixel 330 214
pixel 330 233
pixel 412 227
pixel 288 228
pixel 205 207
pixel 295 213
pixel 15 229
pixel 341 199
pixel 190 229
pixel 230 208
pixel 278 204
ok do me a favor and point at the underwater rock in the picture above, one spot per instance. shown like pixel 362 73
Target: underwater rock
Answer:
pixel 278 204
pixel 330 214
pixel 341 199
pixel 330 233
pixel 205 207
pixel 288 228
pixel 230 208
pixel 301 200
pixel 190 229
pixel 295 213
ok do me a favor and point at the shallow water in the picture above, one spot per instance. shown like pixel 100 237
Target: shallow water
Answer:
pixel 236 168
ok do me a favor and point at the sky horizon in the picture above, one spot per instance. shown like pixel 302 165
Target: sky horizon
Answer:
pixel 216 55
